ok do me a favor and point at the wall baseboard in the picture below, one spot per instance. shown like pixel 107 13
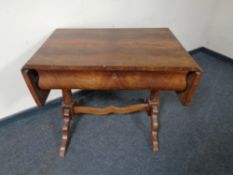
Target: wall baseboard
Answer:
pixel 212 53
pixel 27 112
pixel 197 50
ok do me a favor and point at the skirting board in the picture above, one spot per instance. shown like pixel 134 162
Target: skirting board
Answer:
pixel 25 113
pixel 212 53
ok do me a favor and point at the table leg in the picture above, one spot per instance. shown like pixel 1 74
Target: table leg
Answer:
pixel 69 109
pixel 65 132
pixel 67 114
pixel 153 113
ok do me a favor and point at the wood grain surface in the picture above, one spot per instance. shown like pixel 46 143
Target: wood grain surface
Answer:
pixel 110 109
pixel 153 49
pixel 102 80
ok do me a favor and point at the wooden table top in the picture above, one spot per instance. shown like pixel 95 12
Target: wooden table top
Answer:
pixel 154 49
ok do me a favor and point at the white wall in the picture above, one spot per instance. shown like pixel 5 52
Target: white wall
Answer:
pixel 219 32
pixel 25 25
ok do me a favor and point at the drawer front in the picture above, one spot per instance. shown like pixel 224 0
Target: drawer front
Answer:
pixel 112 80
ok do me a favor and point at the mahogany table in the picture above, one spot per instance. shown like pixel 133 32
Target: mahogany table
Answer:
pixel 107 59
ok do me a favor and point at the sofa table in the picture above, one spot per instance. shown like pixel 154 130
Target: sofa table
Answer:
pixel 111 59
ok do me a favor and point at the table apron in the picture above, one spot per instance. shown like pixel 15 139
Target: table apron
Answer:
pixel 107 80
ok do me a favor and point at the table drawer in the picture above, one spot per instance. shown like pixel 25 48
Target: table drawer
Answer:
pixel 112 80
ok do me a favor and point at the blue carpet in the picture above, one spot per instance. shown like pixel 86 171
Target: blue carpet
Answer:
pixel 197 139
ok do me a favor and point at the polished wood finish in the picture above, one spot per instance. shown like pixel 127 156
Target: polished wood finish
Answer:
pixel 153 113
pixel 154 49
pixel 123 57
pixel 99 59
pixel 111 109
pixel 67 97
pixel 65 132
pixel 31 78
pixel 193 80
pixel 67 112
pixel 112 80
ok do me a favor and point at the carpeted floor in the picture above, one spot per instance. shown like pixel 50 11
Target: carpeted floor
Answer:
pixel 197 139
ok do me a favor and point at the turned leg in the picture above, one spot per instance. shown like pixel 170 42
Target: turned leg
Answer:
pixel 65 132
pixel 67 114
pixel 153 113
